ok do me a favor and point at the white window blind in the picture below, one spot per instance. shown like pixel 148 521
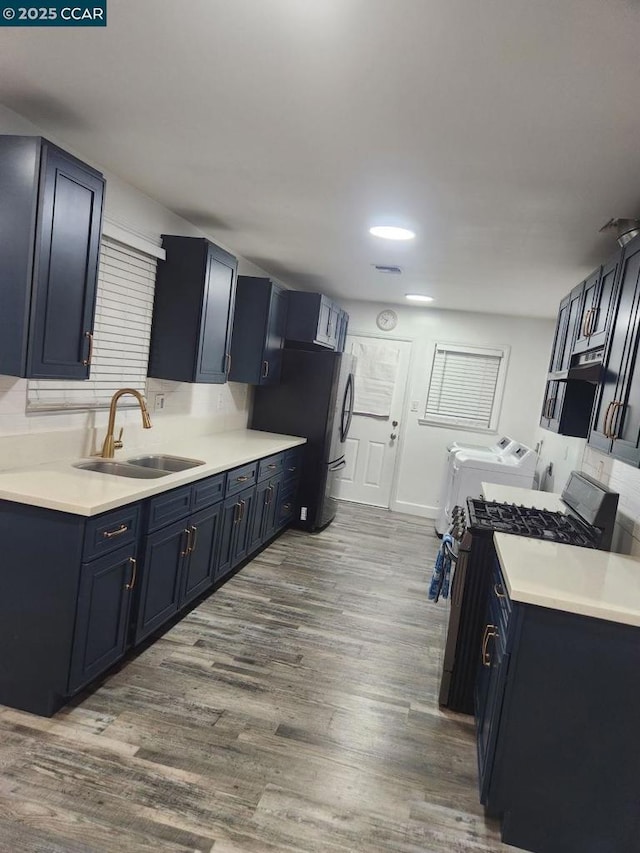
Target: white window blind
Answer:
pixel 466 386
pixel 122 329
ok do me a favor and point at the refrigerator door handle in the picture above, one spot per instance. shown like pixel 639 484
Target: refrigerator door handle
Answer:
pixel 347 408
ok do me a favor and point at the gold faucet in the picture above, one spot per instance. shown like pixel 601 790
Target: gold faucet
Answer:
pixel 110 443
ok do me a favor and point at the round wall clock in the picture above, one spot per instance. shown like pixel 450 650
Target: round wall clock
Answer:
pixel 387 320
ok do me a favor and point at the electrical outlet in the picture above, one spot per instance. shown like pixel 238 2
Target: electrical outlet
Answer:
pixel 158 403
pixel 303 513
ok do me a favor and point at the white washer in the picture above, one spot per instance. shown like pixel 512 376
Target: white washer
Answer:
pixel 480 451
pixel 516 468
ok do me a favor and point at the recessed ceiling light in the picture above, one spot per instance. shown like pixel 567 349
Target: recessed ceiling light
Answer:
pixel 418 297
pixel 391 232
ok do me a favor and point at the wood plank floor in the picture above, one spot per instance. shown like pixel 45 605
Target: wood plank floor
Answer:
pixel 294 710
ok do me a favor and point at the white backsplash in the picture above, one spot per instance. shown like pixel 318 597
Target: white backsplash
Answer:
pixel 624 479
pixel 189 409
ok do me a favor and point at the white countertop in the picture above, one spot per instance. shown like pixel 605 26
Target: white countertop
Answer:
pixel 565 577
pixel 523 497
pixel 60 486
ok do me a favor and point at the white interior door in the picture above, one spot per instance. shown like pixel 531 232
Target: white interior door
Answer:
pixel 371 447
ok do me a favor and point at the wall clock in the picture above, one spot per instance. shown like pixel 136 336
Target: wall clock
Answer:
pixel 387 320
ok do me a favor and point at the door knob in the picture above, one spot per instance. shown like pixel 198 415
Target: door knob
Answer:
pixel 394 424
pixel 393 436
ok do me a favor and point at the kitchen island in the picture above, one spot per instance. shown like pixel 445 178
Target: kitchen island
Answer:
pixel 558 698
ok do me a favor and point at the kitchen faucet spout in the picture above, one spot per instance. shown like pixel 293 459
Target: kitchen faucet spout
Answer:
pixel 111 444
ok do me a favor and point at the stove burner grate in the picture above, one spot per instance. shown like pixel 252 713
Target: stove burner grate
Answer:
pixel 527 521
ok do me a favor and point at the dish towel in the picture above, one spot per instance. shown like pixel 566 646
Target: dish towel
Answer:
pixel 441 580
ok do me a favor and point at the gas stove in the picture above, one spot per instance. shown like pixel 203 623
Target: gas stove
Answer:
pixel 527 521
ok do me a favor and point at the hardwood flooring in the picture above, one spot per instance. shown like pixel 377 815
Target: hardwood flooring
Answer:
pixel 294 710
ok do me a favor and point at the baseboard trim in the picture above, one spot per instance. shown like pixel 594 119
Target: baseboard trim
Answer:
pixel 420 510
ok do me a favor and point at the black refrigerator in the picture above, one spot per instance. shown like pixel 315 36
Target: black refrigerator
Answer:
pixel 315 400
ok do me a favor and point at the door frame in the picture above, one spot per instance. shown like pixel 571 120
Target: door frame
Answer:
pixel 393 491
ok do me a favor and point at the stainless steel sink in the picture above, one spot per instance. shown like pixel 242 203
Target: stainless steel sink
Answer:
pixel 165 463
pixel 121 469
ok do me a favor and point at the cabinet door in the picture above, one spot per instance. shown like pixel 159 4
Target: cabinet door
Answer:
pixel 68 242
pixel 200 568
pixel 262 498
pixel 604 304
pixel 102 615
pixel 549 404
pixel 342 332
pixel 214 351
pixel 325 315
pixel 242 547
pixel 164 555
pixel 614 393
pixel 274 338
pixel 228 535
pixel 271 509
pixel 589 311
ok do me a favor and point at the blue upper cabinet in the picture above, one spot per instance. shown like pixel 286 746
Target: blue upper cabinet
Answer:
pixel 259 325
pixel 313 318
pixel 193 312
pixel 50 225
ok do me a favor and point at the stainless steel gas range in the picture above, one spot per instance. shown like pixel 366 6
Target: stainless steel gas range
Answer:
pixel 588 522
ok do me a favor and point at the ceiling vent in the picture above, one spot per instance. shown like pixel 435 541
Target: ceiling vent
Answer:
pixel 625 229
pixel 388 270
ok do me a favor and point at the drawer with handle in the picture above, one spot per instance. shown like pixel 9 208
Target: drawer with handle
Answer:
pixel 270 466
pixel 292 464
pixel 241 478
pixel 111 530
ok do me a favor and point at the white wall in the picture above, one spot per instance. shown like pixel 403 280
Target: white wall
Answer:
pixel 422 449
pixel 224 407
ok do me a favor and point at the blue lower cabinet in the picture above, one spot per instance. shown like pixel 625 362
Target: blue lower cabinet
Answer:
pixel 104 598
pixel 203 549
pixel 237 523
pixel 164 553
pixel 266 510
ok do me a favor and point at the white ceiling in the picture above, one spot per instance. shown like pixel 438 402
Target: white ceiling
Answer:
pixel 505 132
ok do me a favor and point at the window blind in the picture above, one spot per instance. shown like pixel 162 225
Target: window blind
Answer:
pixel 465 387
pixel 122 329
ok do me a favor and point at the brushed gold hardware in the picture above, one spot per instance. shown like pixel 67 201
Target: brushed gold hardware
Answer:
pixel 109 534
pixel 236 513
pixel 265 369
pixel 272 466
pixel 617 405
pixel 227 356
pixel 550 404
pixel 499 591
pixel 242 506
pixel 194 544
pixel 110 444
pixel 592 320
pixel 291 470
pixel 134 574
pixel 584 323
pixel 87 361
pixel 605 426
pixel 186 550
pixel 241 479
pixel 287 507
pixel 489 632
pixel 270 491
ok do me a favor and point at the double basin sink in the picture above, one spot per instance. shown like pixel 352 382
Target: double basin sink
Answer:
pixel 140 467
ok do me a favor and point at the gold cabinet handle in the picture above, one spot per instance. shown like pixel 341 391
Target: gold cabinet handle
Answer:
pixel 586 322
pixel 194 544
pixel 499 591
pixel 87 361
pixel 617 406
pixel 134 574
pixel 592 321
pixel 109 534
pixel 272 467
pixel 242 508
pixel 605 426
pixel 187 549
pixel 227 357
pixel 291 470
pixel 241 479
pixel 489 631
pixel 236 513
pixel 265 369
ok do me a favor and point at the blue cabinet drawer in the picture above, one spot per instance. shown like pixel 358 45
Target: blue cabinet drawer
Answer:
pixel 169 507
pixel 241 478
pixel 207 492
pixel 270 466
pixel 111 530
pixel 293 464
